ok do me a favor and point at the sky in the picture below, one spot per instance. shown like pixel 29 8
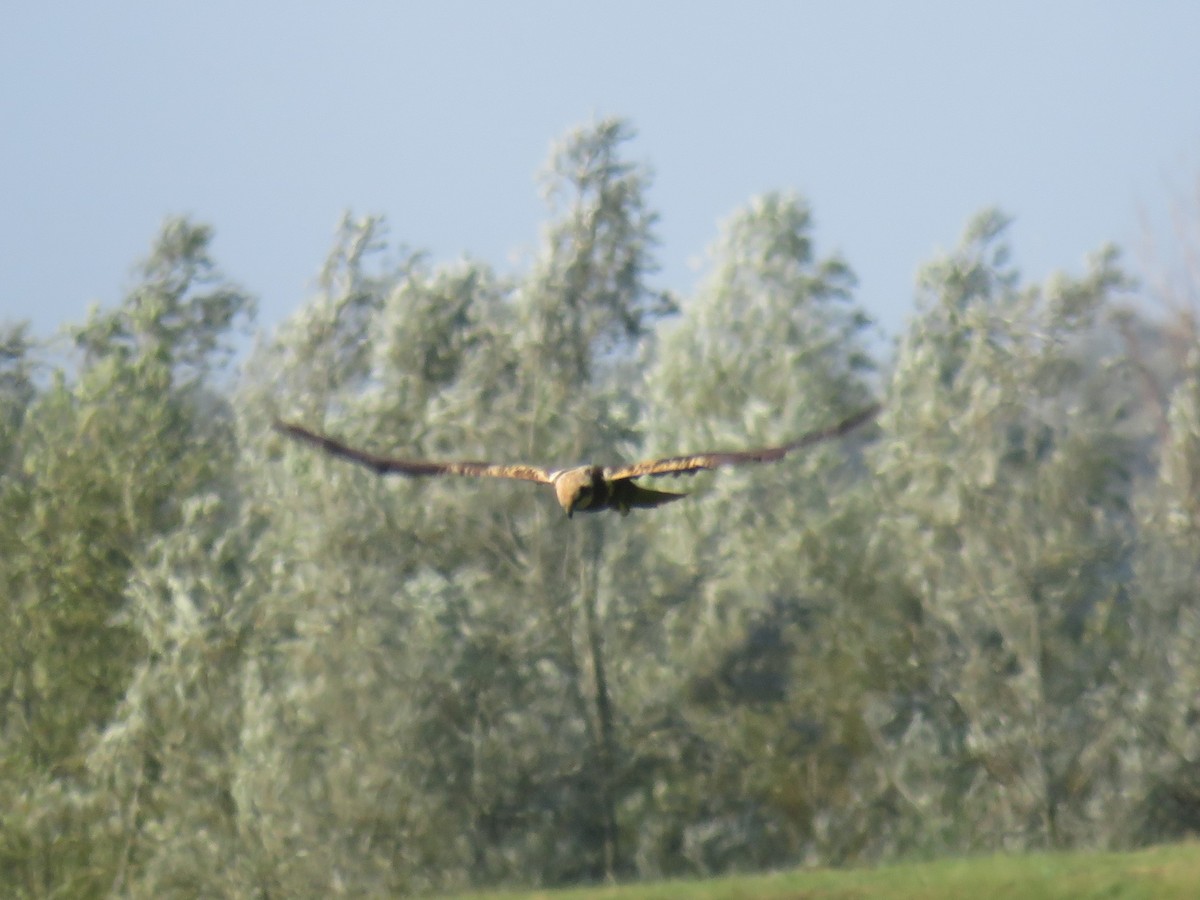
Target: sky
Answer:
pixel 268 120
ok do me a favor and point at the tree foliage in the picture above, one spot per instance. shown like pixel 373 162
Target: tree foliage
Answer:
pixel 1008 469
pixel 231 666
pixel 102 465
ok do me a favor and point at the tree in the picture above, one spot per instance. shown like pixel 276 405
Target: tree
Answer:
pixel 103 463
pixel 732 648
pixel 431 636
pixel 1008 469
pixel 17 364
pixel 1164 674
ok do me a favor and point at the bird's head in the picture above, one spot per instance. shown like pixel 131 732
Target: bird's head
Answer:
pixel 574 489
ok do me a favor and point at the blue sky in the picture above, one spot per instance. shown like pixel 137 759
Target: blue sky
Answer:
pixel 267 120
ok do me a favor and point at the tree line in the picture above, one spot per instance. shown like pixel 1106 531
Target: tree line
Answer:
pixel 232 666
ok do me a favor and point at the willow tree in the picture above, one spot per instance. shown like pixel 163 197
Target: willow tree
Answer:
pixel 433 659
pixel 105 458
pixel 743 593
pixel 1008 471
pixel 1164 674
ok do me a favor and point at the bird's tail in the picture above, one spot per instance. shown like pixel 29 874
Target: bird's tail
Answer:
pixel 627 495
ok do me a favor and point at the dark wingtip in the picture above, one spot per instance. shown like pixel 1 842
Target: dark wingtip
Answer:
pixel 289 428
pixel 860 417
pixel 299 432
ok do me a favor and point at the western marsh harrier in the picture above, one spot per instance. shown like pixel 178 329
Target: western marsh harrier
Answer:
pixel 586 488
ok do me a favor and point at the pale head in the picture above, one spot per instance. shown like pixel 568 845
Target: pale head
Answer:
pixel 575 488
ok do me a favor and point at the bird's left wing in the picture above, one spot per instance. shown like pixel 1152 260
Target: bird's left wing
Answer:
pixel 696 462
pixel 388 465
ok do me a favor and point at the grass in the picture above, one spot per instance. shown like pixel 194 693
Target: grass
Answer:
pixel 1159 873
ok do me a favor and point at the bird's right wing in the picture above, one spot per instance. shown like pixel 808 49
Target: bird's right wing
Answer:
pixel 388 465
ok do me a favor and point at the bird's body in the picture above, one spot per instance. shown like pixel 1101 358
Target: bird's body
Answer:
pixel 592 489
pixel 585 488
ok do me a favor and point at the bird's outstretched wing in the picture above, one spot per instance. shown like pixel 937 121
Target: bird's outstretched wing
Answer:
pixel 696 462
pixel 386 465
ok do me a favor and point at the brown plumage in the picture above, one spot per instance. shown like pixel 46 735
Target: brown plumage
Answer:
pixel 581 488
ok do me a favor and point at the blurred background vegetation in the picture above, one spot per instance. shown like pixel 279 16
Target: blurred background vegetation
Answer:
pixel 231 666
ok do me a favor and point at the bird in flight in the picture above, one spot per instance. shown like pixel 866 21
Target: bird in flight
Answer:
pixel 586 488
